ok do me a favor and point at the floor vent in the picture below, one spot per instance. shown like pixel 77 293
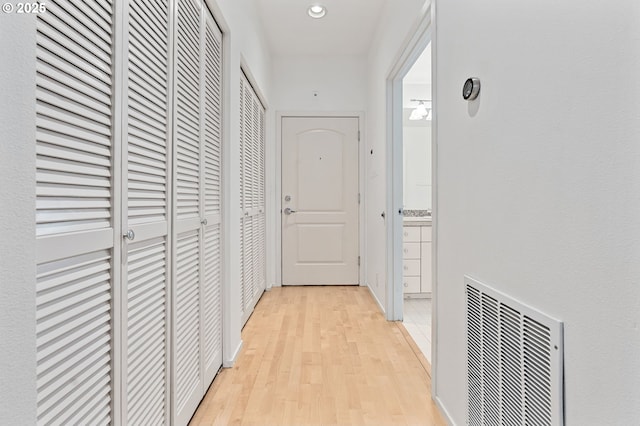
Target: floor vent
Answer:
pixel 514 361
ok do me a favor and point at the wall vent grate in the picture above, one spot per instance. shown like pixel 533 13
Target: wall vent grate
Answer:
pixel 514 361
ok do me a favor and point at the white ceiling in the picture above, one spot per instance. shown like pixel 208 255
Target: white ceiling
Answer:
pixel 347 28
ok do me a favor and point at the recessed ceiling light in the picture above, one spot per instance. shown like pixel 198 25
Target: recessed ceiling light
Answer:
pixel 317 11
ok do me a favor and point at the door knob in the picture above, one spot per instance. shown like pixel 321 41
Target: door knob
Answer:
pixel 204 221
pixel 130 235
pixel 288 211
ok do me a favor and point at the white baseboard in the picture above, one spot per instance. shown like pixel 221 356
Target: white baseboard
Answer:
pixel 444 412
pixel 231 362
pixel 376 299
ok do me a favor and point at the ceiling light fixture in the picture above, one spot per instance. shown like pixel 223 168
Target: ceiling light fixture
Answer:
pixel 421 111
pixel 317 11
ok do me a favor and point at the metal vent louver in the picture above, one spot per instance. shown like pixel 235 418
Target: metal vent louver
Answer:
pixel 514 361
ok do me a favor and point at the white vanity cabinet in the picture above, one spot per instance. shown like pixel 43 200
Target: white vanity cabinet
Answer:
pixel 416 259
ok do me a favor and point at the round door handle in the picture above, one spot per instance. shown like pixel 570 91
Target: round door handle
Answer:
pixel 204 221
pixel 406 284
pixel 130 235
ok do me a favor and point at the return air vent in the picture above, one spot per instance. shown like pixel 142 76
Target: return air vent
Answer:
pixel 514 361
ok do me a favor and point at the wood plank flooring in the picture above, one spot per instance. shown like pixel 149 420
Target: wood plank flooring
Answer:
pixel 321 356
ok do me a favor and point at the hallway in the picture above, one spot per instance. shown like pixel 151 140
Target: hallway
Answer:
pixel 321 355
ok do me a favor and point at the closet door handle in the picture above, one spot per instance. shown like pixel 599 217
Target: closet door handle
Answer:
pixel 130 235
pixel 204 221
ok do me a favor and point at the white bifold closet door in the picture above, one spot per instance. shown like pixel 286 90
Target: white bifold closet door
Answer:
pixel 102 172
pixel 197 346
pixel 252 198
pixel 78 237
pixel 146 214
pixel 115 212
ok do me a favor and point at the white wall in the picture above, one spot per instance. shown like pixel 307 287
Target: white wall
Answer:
pixel 538 187
pixel 339 81
pixel 17 220
pixel 416 144
pixel 244 43
pixel 396 24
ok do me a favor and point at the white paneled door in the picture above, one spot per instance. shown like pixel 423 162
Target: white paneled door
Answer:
pixel 320 220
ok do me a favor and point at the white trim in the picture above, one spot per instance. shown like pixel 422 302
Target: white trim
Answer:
pixel 414 46
pixel 361 186
pixel 424 32
pixel 375 297
pixel 434 209
pixel 443 410
pixel 229 363
pixel 119 195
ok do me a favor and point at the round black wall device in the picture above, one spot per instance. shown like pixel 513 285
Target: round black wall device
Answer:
pixel 471 89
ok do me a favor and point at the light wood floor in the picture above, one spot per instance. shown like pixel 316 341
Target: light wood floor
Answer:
pixel 321 356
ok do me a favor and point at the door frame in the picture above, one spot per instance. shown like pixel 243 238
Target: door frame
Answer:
pixel 278 185
pixel 423 33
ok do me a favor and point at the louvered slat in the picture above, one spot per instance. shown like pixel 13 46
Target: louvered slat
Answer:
pixel 147 121
pixel 187 322
pixel 146 330
pixel 212 121
pixel 73 324
pixel 73 120
pixel 248 262
pixel 212 300
pixel 188 114
pixel 74 193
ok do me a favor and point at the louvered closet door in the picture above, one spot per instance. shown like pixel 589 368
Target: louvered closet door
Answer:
pixel 146 157
pixel 76 191
pixel 252 227
pixel 197 147
pixel 212 169
pixel 187 378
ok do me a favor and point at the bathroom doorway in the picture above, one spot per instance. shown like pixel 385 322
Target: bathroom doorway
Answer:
pixel 417 114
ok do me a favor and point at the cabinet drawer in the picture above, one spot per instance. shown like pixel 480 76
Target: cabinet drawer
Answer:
pixel 411 267
pixel 411 284
pixel 426 233
pixel 411 234
pixel 411 251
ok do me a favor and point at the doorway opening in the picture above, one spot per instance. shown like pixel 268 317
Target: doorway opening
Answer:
pixel 411 296
pixel 417 114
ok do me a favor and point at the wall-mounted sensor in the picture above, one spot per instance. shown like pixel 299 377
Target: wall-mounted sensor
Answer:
pixel 471 89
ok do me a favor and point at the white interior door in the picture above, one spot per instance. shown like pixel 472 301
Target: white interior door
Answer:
pixel 146 214
pixel 197 298
pixel 320 200
pixel 252 198
pixel 77 235
pixel 187 380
